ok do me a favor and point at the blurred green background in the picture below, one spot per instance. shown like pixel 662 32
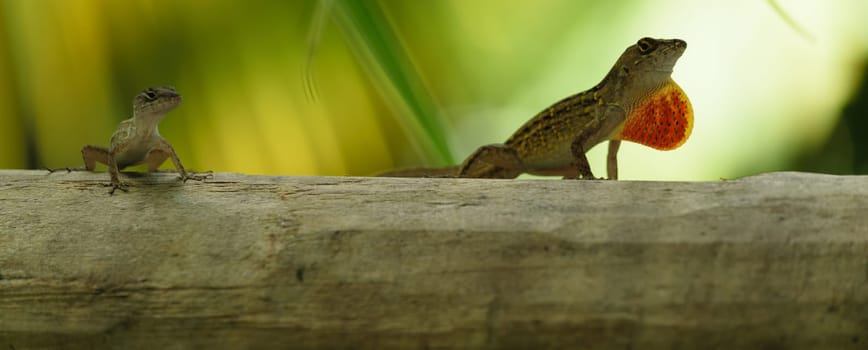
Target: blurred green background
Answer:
pixel 343 87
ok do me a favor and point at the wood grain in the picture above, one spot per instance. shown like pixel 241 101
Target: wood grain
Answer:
pixel 777 261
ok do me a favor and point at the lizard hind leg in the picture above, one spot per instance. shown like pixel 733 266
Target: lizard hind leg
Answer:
pixel 495 161
pixel 93 154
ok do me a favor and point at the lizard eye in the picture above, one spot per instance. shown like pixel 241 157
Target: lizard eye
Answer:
pixel 646 45
pixel 150 95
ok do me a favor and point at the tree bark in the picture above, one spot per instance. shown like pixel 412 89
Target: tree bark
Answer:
pixel 777 261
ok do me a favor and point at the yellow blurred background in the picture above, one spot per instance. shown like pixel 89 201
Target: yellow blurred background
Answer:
pixel 341 87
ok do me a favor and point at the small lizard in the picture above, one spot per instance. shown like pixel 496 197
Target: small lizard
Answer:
pixel 637 101
pixel 137 140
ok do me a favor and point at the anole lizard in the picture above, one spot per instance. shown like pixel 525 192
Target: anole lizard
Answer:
pixel 637 101
pixel 137 140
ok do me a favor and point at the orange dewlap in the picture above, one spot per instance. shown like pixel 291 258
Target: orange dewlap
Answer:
pixel 663 120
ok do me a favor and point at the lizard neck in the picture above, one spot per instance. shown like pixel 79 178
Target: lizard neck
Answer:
pixel 146 123
pixel 625 88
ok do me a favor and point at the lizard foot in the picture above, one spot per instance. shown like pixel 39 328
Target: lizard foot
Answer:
pixel 197 177
pixel 117 186
pixel 579 177
pixel 68 169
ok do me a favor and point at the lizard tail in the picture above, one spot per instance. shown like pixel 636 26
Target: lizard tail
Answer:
pixel 422 172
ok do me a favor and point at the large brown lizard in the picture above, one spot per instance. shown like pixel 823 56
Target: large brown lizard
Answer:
pixel 137 140
pixel 637 101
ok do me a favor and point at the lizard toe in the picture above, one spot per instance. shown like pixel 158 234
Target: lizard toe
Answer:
pixel 117 186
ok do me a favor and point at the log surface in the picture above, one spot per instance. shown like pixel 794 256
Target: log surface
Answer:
pixel 776 261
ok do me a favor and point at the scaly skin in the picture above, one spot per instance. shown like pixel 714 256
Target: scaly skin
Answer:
pixel 137 140
pixel 636 101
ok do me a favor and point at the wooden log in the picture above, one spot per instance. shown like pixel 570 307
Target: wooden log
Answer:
pixel 777 261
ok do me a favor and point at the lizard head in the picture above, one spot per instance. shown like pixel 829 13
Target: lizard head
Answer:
pixel 156 101
pixel 642 68
pixel 650 55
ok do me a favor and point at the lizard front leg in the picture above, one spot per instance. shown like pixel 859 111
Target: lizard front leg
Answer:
pixel 113 171
pixel 577 148
pixel 494 161
pixel 612 159
pixel 160 153
pixel 580 161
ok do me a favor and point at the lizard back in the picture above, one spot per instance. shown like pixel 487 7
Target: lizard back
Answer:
pixel 544 140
